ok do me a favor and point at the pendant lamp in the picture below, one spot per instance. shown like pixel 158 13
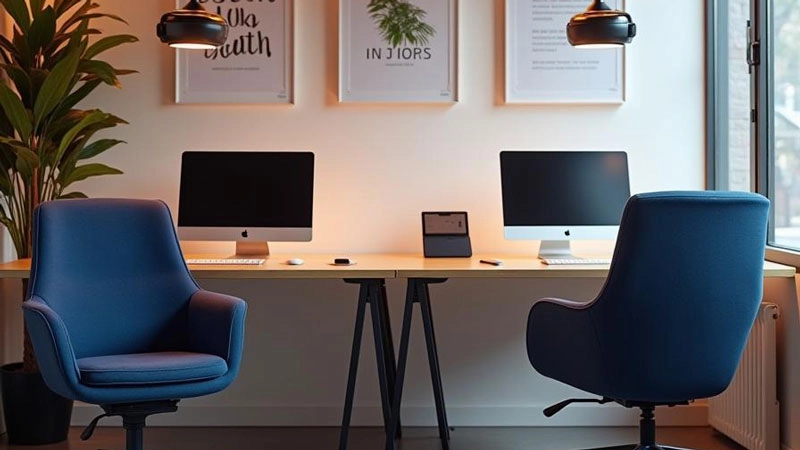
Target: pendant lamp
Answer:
pixel 192 28
pixel 600 27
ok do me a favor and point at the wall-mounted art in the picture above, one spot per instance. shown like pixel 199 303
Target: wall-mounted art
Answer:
pixel 253 66
pixel 542 67
pixel 398 51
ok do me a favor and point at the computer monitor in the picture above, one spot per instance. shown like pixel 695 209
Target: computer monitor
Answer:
pixel 247 197
pixel 559 196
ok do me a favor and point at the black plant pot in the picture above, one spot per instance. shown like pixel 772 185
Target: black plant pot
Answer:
pixel 34 414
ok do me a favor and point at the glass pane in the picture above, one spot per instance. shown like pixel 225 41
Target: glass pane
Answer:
pixel 785 164
pixel 738 139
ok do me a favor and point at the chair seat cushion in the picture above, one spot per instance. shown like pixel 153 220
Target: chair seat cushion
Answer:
pixel 150 368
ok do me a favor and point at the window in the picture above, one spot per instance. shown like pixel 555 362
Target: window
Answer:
pixel 754 106
pixel 783 143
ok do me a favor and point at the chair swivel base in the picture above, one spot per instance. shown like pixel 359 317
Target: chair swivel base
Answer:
pixel 647 422
pixel 133 416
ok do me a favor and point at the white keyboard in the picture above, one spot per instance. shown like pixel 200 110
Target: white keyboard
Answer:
pixel 227 261
pixel 575 261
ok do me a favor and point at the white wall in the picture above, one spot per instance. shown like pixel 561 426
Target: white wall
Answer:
pixel 377 168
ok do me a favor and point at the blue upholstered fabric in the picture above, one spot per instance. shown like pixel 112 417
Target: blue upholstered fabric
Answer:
pixel 108 278
pixel 671 321
pixel 150 368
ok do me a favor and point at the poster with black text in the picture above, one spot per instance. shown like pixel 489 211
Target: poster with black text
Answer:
pixel 253 66
pixel 397 51
pixel 541 65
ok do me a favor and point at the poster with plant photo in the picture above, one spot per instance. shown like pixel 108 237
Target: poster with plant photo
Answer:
pixel 253 66
pixel 397 51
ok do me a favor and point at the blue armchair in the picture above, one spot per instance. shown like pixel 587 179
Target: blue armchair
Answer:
pixel 670 324
pixel 115 317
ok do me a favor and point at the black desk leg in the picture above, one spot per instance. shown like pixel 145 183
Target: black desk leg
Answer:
pixel 372 291
pixel 388 340
pixel 433 362
pixel 351 377
pixel 402 359
pixel 380 355
pixel 417 292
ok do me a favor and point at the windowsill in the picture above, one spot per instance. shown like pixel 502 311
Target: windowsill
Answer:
pixel 783 256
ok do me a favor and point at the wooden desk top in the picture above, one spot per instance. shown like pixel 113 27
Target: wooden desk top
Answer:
pixel 275 267
pixel 392 266
pixel 522 266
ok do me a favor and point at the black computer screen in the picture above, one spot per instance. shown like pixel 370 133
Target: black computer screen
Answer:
pixel 246 189
pixel 563 188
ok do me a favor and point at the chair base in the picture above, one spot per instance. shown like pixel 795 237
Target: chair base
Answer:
pixel 639 447
pixel 647 422
pixel 133 416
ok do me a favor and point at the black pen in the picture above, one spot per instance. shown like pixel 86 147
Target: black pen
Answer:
pixel 494 262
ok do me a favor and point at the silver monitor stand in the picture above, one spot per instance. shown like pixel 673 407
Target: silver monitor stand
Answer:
pixel 555 249
pixel 247 249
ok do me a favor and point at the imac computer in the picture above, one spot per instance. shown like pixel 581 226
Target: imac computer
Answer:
pixel 247 197
pixel 559 196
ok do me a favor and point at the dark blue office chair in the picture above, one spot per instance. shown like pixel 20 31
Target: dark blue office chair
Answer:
pixel 115 317
pixel 670 323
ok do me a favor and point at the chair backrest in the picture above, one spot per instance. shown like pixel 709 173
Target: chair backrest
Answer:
pixel 683 291
pixel 113 271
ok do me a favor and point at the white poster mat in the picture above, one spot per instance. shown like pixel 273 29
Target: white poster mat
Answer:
pixel 541 65
pixel 374 70
pixel 253 66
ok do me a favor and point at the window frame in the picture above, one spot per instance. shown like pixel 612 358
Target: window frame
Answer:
pixel 762 98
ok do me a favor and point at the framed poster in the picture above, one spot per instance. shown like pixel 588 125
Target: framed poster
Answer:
pixel 541 65
pixel 253 66
pixel 398 51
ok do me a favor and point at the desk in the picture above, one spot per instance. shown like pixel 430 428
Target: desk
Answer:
pixel 421 272
pixel 369 272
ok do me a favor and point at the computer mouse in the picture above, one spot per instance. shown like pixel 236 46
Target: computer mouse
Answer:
pixel 294 262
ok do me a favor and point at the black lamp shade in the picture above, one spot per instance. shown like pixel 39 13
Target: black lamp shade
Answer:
pixel 192 27
pixel 600 26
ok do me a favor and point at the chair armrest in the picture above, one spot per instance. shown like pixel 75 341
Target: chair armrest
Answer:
pixel 571 304
pixel 52 346
pixel 216 325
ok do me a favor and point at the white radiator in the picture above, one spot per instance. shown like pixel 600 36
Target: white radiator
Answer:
pixel 747 411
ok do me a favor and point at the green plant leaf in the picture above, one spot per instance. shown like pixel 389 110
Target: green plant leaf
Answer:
pixel 24 54
pixel 22 82
pixel 24 168
pixel 76 96
pixel 91 118
pixel 42 29
pixel 55 86
pixel 15 111
pixel 89 170
pixel 82 17
pixel 36 6
pixel 62 6
pixel 108 43
pixel 6 45
pixel 57 48
pixel 6 129
pixel 97 147
pixel 87 6
pixel 73 195
pixel 100 69
pixel 21 151
pixel 18 10
pixel 5 184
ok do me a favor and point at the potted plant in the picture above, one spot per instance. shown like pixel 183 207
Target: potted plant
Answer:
pixel 50 65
